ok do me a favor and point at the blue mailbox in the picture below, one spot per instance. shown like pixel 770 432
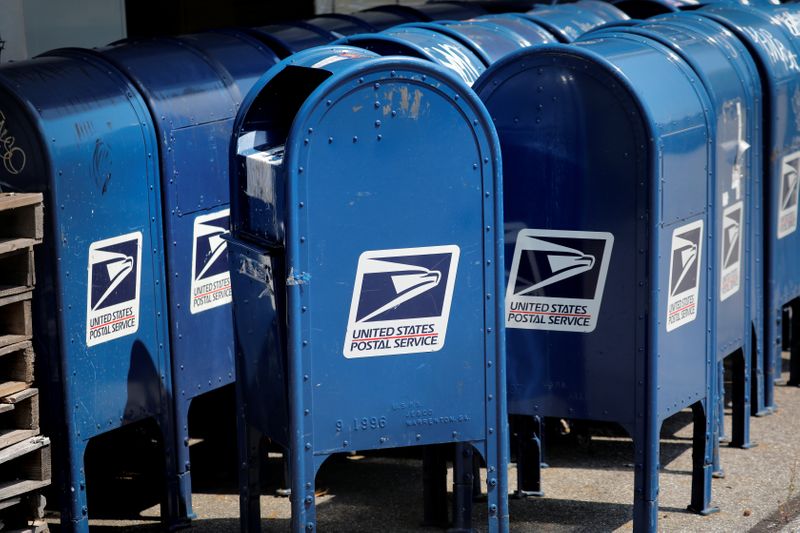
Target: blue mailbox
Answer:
pixel 606 168
pixel 567 22
pixel 424 43
pixel 102 336
pixel 194 129
pixel 731 79
pixel 774 49
pixel 384 329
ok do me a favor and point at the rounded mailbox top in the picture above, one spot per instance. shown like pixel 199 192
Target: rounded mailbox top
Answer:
pixel 489 39
pixel 432 42
pixel 567 22
pixel 383 113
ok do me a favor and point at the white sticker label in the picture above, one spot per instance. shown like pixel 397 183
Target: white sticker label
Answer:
pixel 787 209
pixel 684 274
pixel 401 301
pixel 112 295
pixel 731 251
pixel 557 279
pixel 211 278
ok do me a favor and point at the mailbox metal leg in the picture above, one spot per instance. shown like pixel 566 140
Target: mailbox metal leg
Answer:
pixel 462 488
pixel 434 485
pixel 645 499
pixel 794 344
pixel 250 452
pixel 477 490
pixel 174 502
pixel 757 406
pixel 285 489
pixel 702 450
pixel 529 456
pixel 740 426
pixel 184 475
pixel 773 343
pixel 718 434
pixel 75 510
pixel 716 471
pixel 720 405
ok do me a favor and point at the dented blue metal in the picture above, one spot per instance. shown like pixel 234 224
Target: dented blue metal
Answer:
pixel 424 42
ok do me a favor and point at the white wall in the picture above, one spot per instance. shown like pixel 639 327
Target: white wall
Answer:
pixel 52 24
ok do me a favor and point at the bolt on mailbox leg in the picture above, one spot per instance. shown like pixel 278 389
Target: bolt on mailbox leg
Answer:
pixel 794 344
pixel 529 456
pixel 702 451
pixel 434 485
pixel 740 427
pixel 462 488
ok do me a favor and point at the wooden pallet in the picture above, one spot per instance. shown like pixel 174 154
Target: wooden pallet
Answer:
pixel 21 221
pixel 16 368
pixel 19 417
pixel 17 273
pixel 24 467
pixel 16 322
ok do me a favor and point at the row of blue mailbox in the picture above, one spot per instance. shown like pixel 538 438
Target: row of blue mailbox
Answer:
pixel 648 232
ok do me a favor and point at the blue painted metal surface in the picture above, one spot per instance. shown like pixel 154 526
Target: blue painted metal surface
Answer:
pixel 342 25
pixel 606 300
pixel 336 128
pixel 731 79
pixel 432 44
pixel 491 40
pixel 567 22
pixel 291 37
pixel 774 50
pixel 79 132
pixel 521 25
pixel 383 20
pixel 643 9
pixel 434 11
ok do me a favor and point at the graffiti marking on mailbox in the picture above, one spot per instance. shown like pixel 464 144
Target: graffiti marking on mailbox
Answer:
pixel 112 296
pixel 401 301
pixel 557 279
pixel 211 279
pixel 684 274
pixel 731 250
pixel 787 209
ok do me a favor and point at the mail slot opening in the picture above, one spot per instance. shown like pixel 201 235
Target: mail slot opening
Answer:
pixel 260 149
